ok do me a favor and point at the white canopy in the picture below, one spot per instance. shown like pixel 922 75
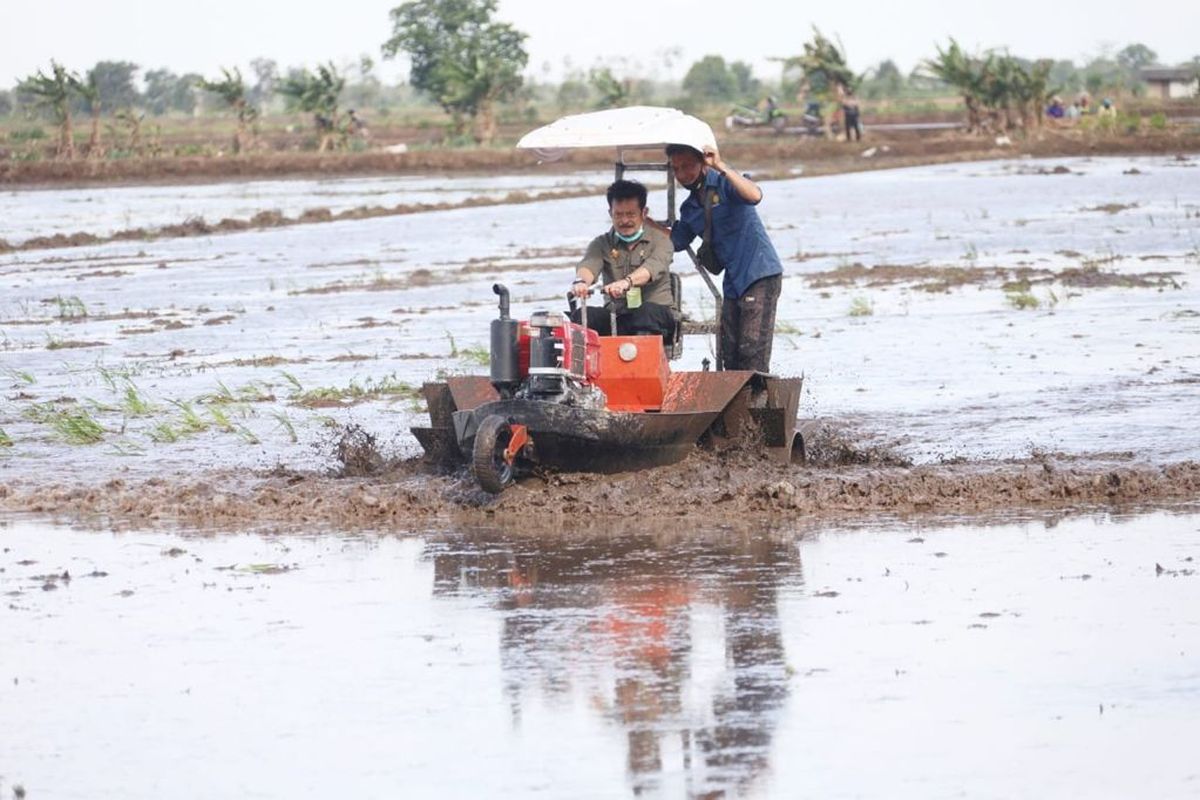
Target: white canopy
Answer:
pixel 627 128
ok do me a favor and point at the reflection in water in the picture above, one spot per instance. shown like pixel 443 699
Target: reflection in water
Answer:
pixel 674 639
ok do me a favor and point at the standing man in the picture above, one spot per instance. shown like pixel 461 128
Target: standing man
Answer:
pixel 850 117
pixel 635 261
pixel 753 273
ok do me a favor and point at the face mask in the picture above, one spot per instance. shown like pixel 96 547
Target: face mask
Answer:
pixel 631 238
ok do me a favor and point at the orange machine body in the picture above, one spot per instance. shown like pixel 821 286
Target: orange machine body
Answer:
pixel 633 372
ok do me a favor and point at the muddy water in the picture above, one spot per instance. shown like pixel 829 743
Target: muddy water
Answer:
pixel 1032 657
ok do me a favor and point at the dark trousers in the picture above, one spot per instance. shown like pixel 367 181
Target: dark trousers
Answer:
pixel 648 319
pixel 852 126
pixel 748 325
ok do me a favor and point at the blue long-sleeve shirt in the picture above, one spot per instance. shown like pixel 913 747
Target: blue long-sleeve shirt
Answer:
pixel 739 237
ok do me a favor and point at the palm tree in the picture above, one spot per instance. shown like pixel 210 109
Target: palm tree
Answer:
pixel 318 94
pixel 55 91
pixel 232 89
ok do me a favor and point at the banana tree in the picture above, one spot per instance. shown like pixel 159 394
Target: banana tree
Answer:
pixel 1001 84
pixel 613 93
pixel 131 121
pixel 824 71
pixel 477 81
pixel 89 90
pixel 318 94
pixel 461 57
pixel 966 74
pixel 55 91
pixel 1036 90
pixel 232 90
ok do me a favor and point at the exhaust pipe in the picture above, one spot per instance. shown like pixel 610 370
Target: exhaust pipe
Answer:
pixel 502 290
pixel 505 358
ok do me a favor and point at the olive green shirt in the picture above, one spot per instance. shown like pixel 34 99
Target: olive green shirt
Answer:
pixel 613 259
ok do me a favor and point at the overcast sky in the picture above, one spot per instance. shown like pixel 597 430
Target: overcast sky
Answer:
pixel 656 38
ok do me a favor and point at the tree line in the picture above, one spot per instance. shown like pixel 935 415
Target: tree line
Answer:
pixel 471 65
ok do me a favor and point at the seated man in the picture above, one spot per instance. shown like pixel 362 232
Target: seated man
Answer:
pixel 635 261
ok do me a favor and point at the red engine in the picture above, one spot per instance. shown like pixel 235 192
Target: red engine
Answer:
pixel 550 344
pixel 547 358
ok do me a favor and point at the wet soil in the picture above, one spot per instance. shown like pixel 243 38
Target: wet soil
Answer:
pixel 765 153
pixel 963 315
pixel 767 159
pixel 944 278
pixel 733 487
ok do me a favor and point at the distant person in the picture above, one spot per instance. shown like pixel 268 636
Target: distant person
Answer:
pixel 1056 111
pixel 814 122
pixel 770 108
pixel 850 117
pixel 1074 112
pixel 634 260
pixel 740 245
pixel 1108 109
pixel 357 126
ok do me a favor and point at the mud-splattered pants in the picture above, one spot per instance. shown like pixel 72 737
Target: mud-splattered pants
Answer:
pixel 748 325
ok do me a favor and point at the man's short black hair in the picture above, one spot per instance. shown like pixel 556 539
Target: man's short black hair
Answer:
pixel 627 190
pixel 676 149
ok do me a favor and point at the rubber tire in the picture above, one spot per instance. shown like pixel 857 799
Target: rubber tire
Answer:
pixel 487 457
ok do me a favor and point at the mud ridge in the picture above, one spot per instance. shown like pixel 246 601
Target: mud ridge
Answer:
pixel 892 148
pixel 198 226
pixel 708 488
pixel 944 278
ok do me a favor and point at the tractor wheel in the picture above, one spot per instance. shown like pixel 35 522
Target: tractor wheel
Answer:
pixel 487 459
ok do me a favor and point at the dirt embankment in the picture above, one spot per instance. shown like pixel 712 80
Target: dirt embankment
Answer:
pixel 197 226
pixel 768 157
pixel 708 489
pixel 760 151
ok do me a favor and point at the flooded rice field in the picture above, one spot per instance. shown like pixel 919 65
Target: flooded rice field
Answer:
pixel 225 571
pixel 1029 656
pixel 969 312
pixel 103 211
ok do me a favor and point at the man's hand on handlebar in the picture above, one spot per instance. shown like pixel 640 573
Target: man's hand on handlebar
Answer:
pixel 617 289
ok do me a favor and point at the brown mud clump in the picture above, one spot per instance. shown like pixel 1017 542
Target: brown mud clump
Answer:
pixel 1088 275
pixel 357 453
pixel 830 445
pixel 709 487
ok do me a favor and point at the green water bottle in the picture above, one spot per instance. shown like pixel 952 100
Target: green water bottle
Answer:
pixel 633 298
